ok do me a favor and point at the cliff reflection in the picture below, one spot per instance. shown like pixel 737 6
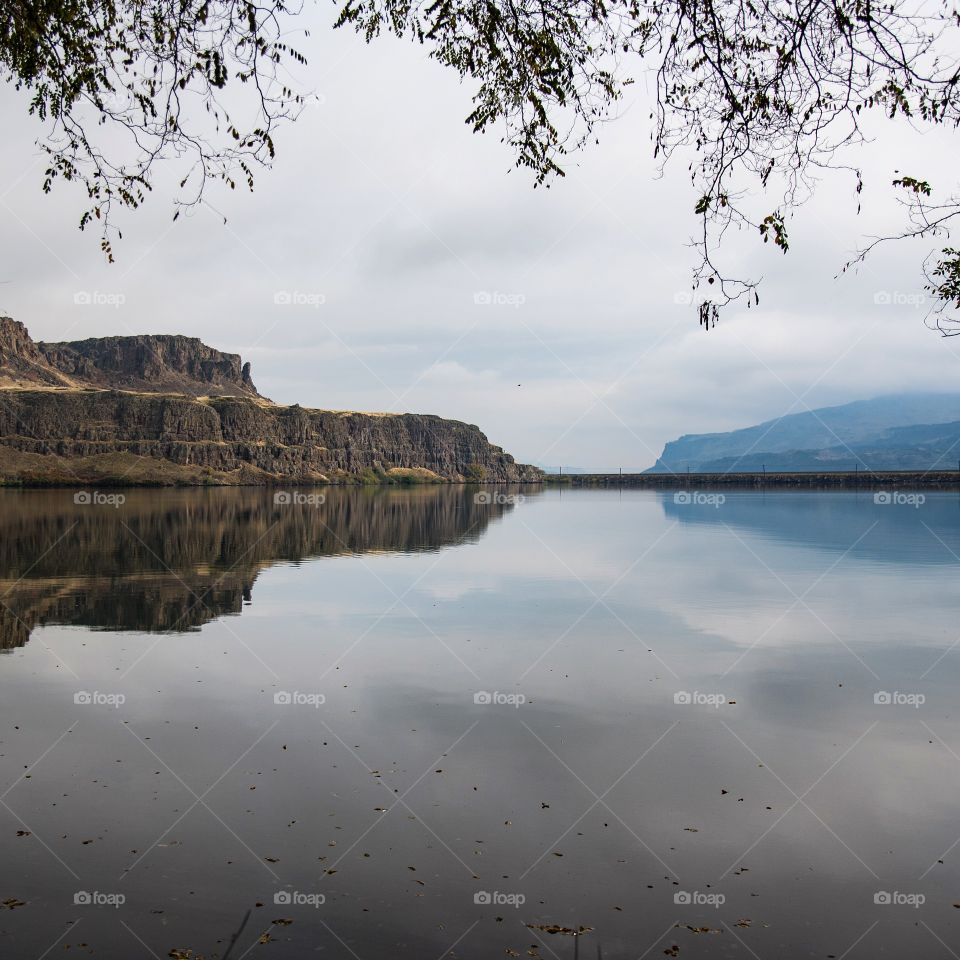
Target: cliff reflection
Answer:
pixel 172 560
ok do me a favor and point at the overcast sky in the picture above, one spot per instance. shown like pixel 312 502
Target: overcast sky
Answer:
pixel 386 207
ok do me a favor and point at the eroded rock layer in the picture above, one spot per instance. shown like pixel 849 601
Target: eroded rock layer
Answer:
pixel 161 410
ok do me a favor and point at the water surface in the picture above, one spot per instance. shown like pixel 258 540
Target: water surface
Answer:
pixel 430 723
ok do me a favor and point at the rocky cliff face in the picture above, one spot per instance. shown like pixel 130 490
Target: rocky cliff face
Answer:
pixel 168 364
pixel 21 361
pixel 217 429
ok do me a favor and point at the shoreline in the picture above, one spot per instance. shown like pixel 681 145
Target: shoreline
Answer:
pixel 841 480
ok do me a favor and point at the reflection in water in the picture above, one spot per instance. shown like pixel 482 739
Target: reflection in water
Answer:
pixel 886 527
pixel 699 730
pixel 169 560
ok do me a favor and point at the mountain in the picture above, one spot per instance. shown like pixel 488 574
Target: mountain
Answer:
pixel 154 364
pixel 146 364
pixel 928 446
pixel 901 431
pixel 172 410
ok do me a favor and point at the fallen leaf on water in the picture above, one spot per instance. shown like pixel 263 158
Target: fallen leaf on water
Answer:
pixel 555 928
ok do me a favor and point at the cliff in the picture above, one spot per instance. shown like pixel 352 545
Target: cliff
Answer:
pixel 22 363
pixel 168 364
pixel 165 410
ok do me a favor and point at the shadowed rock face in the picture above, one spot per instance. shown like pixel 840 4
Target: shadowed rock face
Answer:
pixel 169 364
pixel 22 363
pixel 171 410
pixel 172 560
pixel 151 364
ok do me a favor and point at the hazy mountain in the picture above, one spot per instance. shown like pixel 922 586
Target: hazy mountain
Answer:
pixel 901 431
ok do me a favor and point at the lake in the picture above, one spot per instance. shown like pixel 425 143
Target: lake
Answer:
pixel 464 722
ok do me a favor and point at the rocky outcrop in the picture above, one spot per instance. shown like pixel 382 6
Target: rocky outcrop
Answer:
pixel 22 363
pixel 154 364
pixel 144 364
pixel 76 432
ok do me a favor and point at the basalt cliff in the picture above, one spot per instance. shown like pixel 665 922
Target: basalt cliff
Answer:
pixel 171 410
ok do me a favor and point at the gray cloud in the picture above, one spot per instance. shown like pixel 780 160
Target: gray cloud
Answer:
pixel 384 204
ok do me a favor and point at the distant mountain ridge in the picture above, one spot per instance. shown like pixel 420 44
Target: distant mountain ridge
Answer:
pixel 911 431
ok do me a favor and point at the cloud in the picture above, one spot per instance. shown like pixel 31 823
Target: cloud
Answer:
pixel 383 203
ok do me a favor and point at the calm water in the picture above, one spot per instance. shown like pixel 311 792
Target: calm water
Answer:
pixel 217 712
